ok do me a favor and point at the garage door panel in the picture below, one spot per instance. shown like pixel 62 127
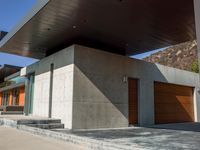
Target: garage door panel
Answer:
pixel 181 116
pixel 174 118
pixel 169 91
pixel 162 88
pixel 174 108
pixel 174 115
pixel 173 94
pixel 173 89
pixel 172 99
pixel 182 89
pixel 173 103
pixel 185 99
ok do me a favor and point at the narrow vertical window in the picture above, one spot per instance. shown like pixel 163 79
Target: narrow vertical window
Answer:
pixel 51 90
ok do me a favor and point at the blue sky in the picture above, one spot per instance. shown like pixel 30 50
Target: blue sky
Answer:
pixel 143 55
pixel 15 60
pixel 11 12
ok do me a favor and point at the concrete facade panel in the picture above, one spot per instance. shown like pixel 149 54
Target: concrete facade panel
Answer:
pixel 62 85
pixel 99 80
pixel 90 87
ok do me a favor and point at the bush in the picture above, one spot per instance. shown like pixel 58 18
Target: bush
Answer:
pixel 195 66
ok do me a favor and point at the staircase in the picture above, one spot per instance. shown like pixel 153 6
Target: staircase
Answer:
pixel 43 123
pixel 11 110
pixel 11 113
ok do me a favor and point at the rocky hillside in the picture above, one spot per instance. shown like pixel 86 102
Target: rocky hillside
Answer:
pixel 180 56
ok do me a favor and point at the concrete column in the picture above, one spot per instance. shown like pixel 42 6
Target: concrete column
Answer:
pixel 146 102
pixel 26 98
pixel 197 21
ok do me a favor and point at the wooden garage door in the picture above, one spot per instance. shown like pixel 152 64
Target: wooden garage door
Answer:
pixel 173 103
pixel 133 101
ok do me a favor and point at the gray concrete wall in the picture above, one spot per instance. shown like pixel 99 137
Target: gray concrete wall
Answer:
pixel 100 97
pixel 197 21
pixel 89 89
pixel 62 85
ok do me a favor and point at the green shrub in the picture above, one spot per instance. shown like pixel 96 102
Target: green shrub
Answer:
pixel 195 66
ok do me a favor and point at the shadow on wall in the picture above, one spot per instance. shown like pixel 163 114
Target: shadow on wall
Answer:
pixel 99 87
pixel 101 96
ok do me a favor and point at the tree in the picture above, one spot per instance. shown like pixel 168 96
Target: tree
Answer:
pixel 195 66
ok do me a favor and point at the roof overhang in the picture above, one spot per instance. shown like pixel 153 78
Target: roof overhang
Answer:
pixel 12 87
pixel 8 70
pixel 7 78
pixel 123 26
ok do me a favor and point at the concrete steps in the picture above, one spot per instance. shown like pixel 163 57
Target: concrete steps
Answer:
pixel 38 121
pixel 12 113
pixel 47 126
pixel 42 123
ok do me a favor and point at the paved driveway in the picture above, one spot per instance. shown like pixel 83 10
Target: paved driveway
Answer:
pixel 163 137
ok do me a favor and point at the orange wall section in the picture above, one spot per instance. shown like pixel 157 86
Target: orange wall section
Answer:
pixel 10 99
pixel 22 96
pixel 1 99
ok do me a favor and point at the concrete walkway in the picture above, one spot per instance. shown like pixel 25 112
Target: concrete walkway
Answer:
pixel 12 139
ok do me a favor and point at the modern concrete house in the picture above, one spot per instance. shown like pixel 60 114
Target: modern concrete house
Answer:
pixel 90 88
pixel 86 77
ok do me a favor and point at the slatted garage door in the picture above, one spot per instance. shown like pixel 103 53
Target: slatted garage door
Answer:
pixel 173 103
pixel 133 101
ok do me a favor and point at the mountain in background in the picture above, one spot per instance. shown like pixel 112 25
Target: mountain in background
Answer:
pixel 182 56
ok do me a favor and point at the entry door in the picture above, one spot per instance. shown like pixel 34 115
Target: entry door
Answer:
pixel 133 101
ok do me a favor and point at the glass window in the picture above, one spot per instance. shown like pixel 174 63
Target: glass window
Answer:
pixel 15 96
pixel 6 97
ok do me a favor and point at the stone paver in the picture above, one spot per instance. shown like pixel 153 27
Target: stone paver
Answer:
pixel 12 139
pixel 183 136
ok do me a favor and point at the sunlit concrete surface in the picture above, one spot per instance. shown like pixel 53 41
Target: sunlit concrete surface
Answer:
pixel 19 140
